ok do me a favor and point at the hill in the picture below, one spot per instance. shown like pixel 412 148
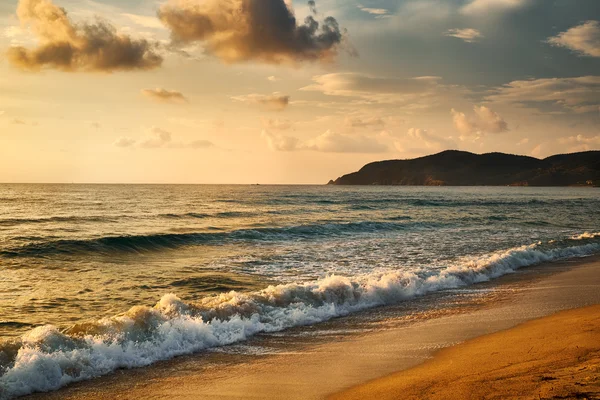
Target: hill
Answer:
pixel 460 168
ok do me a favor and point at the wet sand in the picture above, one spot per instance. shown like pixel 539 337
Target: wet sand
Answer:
pixel 333 366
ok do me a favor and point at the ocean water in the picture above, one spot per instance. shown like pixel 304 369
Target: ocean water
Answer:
pixel 94 278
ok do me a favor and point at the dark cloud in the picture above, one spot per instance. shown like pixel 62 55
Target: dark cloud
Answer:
pixel 78 47
pixel 244 30
pixel 271 102
pixel 166 96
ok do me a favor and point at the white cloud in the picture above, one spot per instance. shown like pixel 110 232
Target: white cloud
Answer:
pixel 13 32
pixel 580 94
pixel 484 121
pixel 421 141
pixel 273 78
pixel 376 89
pixel 478 7
pixel 145 21
pixel 277 142
pixel 469 35
pixel 377 12
pixel 328 142
pixel 583 39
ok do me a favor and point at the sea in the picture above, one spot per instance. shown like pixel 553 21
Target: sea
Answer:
pixel 96 278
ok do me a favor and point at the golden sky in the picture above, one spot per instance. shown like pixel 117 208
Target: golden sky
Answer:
pixel 275 91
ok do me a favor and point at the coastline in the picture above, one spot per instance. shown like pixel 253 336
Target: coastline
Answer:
pixel 554 357
pixel 331 366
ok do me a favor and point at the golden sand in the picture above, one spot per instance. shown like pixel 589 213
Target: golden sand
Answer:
pixel 557 357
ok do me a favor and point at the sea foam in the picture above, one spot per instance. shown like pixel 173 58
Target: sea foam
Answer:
pixel 46 358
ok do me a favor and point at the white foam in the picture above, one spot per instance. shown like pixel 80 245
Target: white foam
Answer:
pixel 49 359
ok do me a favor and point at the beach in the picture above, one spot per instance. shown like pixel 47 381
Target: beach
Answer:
pixel 335 368
pixel 556 357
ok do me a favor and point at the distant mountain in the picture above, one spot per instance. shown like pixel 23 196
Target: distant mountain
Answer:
pixel 460 168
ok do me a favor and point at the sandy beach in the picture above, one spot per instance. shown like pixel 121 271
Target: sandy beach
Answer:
pixel 332 367
pixel 556 357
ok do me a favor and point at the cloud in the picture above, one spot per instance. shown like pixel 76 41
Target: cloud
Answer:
pixel 332 142
pixel 66 46
pixel 428 139
pixel 272 102
pixel 469 35
pixel 12 32
pixel 580 143
pixel 124 142
pixel 583 39
pixel 273 79
pixel 479 7
pixel 165 96
pixel 378 12
pixel 158 138
pixel 484 121
pixel 252 30
pixel 579 94
pixel 199 144
pixel 374 88
pixel 277 124
pixel 366 122
pixel 328 142
pixel 145 21
pixel 420 141
pixel 277 142
pixel 567 144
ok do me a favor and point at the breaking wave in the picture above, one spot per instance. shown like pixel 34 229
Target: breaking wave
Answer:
pixel 47 358
pixel 140 243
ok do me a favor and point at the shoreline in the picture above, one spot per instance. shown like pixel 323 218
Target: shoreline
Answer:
pixel 316 370
pixel 554 357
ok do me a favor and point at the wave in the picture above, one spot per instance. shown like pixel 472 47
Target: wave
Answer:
pixel 225 214
pixel 45 220
pixel 186 215
pixel 142 243
pixel 46 358
pixel 377 203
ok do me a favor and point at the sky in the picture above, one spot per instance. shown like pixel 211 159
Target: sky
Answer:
pixel 282 91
